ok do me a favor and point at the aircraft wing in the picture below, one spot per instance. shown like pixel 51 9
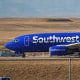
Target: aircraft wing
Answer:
pixel 71 46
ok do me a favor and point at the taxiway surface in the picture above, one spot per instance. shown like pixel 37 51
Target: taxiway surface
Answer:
pixel 37 59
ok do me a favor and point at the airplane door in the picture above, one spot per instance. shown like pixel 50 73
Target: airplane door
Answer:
pixel 26 41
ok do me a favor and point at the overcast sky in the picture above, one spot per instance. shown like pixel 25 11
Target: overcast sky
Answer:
pixel 39 8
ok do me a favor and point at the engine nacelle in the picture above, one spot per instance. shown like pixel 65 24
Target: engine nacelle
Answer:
pixel 58 50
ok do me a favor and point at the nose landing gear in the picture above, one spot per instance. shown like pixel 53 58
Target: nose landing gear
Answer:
pixel 23 55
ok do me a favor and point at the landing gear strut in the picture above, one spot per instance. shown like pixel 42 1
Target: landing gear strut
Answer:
pixel 23 55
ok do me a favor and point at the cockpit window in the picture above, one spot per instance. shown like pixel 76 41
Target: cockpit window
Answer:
pixel 15 40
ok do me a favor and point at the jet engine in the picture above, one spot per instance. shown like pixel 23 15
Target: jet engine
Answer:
pixel 58 50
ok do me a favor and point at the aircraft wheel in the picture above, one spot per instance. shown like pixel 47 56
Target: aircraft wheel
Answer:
pixel 23 55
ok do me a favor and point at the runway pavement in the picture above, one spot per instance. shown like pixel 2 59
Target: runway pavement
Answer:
pixel 38 59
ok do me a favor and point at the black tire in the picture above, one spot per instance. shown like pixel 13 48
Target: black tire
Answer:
pixel 23 55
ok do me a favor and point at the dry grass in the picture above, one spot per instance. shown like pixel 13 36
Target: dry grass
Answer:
pixel 39 70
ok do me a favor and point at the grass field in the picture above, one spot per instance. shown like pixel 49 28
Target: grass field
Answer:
pixel 39 70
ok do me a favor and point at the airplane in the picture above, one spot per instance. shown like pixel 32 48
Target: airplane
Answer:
pixel 54 43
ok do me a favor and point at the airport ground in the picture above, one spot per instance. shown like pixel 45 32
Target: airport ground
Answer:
pixel 37 70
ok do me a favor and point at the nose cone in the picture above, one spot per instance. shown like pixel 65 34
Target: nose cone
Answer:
pixel 7 45
pixel 11 46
